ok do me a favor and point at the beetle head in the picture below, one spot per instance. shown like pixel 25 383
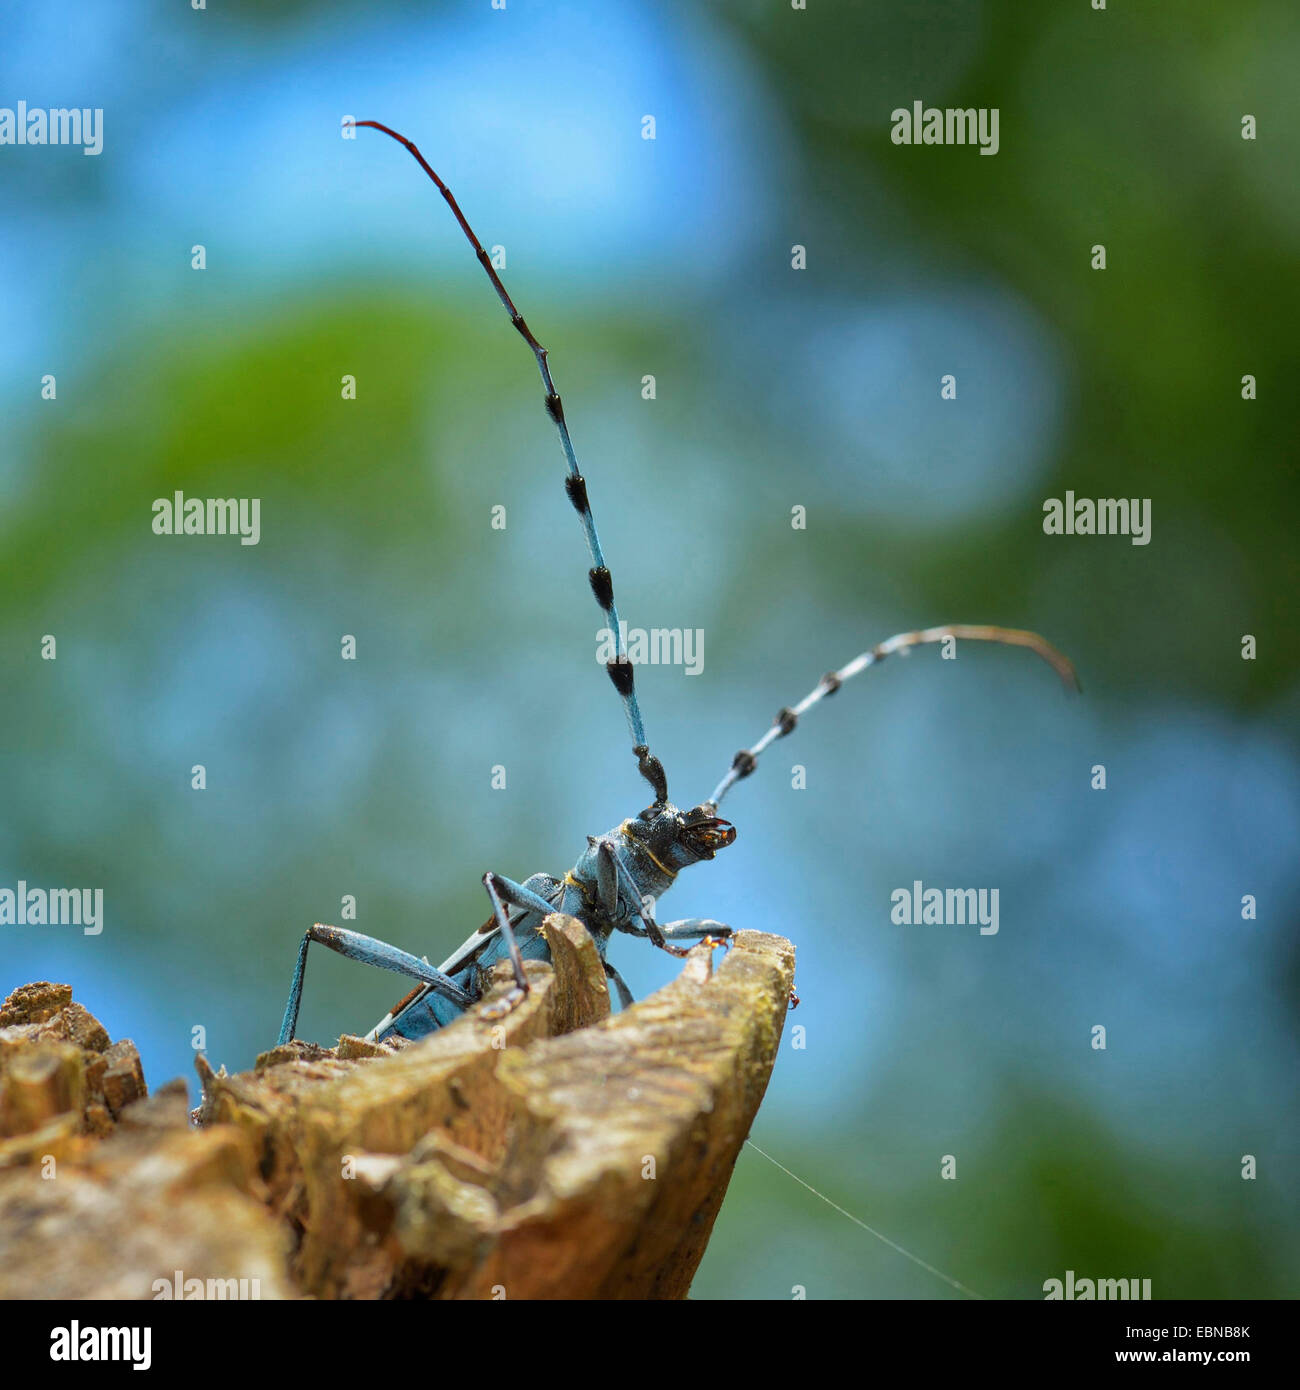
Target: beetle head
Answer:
pixel 677 838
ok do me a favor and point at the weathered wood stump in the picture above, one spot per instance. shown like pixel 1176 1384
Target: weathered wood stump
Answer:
pixel 560 1152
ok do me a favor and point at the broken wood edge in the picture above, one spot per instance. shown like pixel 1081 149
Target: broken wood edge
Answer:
pixel 560 1151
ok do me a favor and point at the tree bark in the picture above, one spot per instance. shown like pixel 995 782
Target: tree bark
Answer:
pixel 560 1152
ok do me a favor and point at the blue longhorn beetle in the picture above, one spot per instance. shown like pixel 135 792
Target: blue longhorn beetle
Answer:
pixel 619 873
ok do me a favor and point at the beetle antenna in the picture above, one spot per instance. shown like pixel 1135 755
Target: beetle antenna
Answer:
pixel 575 485
pixel 747 759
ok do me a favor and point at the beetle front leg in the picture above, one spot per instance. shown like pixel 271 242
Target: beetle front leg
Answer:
pixel 503 890
pixel 698 929
pixel 625 998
